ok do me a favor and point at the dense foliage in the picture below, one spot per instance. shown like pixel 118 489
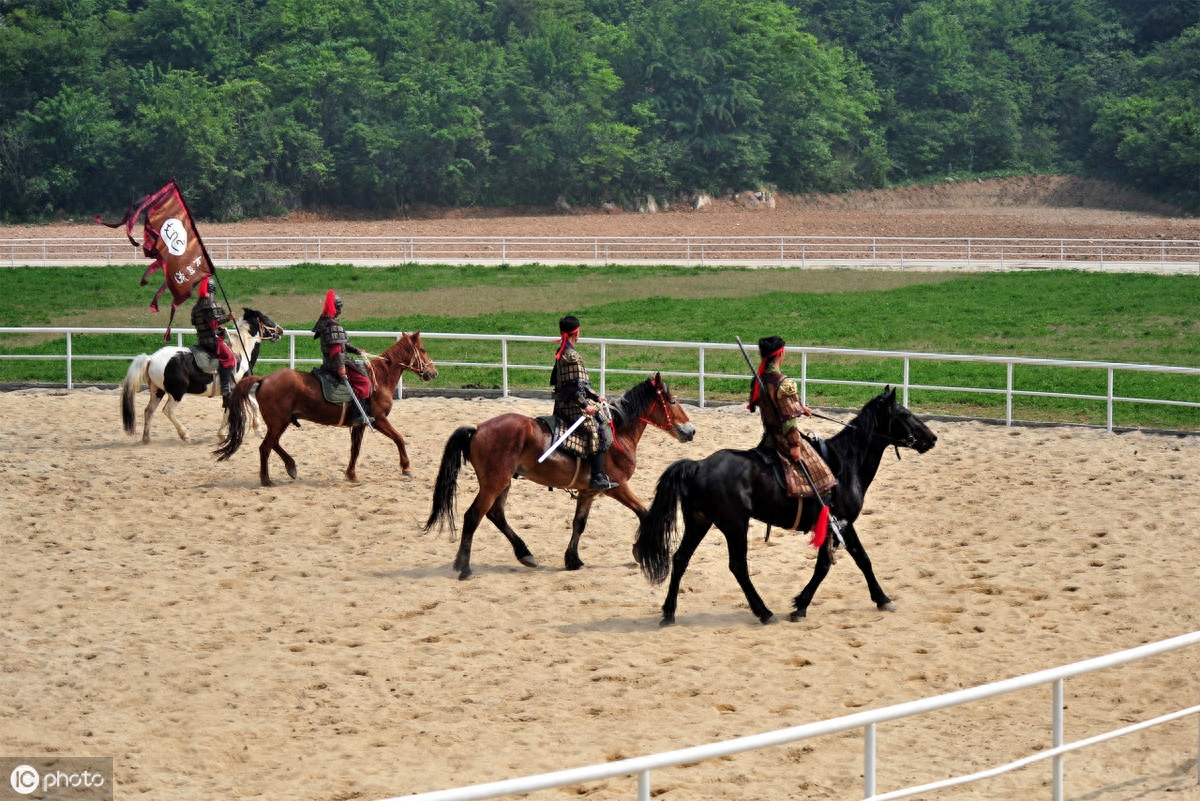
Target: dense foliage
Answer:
pixel 260 106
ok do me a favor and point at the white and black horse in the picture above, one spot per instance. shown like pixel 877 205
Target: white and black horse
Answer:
pixel 171 372
pixel 729 487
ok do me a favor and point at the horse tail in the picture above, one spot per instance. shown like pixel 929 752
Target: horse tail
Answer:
pixel 657 538
pixel 135 376
pixel 239 403
pixel 458 450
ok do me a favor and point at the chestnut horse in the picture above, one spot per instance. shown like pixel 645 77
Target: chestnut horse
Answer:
pixel 508 447
pixel 288 396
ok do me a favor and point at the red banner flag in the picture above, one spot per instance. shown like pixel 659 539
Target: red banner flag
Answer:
pixel 171 239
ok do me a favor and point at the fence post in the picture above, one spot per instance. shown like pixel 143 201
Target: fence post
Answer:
pixel 603 367
pixel 292 351
pixel 803 378
pixel 70 374
pixel 1057 741
pixel 504 365
pixel 644 786
pixel 906 365
pixel 701 389
pixel 869 761
pixel 1110 400
pixel 1008 396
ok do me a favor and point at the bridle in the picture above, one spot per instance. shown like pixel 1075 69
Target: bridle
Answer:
pixel 666 410
pixel 422 367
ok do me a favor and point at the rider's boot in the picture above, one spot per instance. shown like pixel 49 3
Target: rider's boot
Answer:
pixel 227 384
pixel 600 479
pixel 358 419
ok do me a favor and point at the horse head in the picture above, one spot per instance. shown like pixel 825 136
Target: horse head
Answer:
pixel 260 325
pixel 407 353
pixel 899 426
pixel 665 412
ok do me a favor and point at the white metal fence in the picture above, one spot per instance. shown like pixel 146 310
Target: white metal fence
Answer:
pixel 967 253
pixel 867 722
pixel 806 377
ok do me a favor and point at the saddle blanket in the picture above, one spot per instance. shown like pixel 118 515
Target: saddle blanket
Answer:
pixel 792 477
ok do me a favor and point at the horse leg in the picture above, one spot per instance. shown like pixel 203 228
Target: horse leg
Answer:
pixel 356 438
pixel 824 560
pixel 737 538
pixel 583 507
pixel 479 507
pixel 169 411
pixel 694 529
pixel 496 515
pixel 271 443
pixel 156 396
pixel 855 548
pixel 385 427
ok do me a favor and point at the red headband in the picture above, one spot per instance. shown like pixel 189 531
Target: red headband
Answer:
pixel 761 366
pixel 563 344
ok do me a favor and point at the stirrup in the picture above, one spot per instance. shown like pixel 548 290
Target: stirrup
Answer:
pixel 601 481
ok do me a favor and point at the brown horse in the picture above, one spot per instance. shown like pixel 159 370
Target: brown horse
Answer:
pixel 508 447
pixel 288 396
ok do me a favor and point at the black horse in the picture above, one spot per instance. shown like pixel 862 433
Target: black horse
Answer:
pixel 729 487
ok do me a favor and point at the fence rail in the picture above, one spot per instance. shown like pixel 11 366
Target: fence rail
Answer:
pixel 964 253
pixel 703 350
pixel 867 722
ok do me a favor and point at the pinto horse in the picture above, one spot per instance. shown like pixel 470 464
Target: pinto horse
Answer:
pixel 288 396
pixel 729 487
pixel 508 447
pixel 171 372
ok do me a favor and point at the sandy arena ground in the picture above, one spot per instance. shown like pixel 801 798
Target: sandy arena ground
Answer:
pixel 222 640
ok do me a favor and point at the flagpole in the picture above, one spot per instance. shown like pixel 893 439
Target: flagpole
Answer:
pixel 212 269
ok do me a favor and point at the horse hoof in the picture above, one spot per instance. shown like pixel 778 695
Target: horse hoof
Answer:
pixel 799 614
pixel 408 474
pixel 886 606
pixel 662 624
pixel 768 619
pixel 291 471
pixel 528 561
pixel 573 564
pixel 464 575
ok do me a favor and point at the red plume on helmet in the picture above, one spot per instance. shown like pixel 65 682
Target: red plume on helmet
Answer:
pixel 330 309
pixel 203 290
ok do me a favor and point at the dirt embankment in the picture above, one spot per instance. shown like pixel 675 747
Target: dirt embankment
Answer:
pixel 1030 206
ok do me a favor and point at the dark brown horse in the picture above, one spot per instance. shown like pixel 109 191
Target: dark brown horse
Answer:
pixel 288 396
pixel 508 447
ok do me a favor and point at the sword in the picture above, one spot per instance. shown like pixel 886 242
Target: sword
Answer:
pixel 762 391
pixel 561 439
pixel 361 412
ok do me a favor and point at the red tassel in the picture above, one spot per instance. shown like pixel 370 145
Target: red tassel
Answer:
pixel 820 527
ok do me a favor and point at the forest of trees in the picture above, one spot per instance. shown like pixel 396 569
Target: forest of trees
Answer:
pixel 263 106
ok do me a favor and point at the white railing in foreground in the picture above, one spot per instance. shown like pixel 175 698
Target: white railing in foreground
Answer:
pixel 641 766
pixel 981 253
pixel 901 380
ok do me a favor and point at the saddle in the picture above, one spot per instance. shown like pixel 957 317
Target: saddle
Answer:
pixel 205 361
pixel 571 446
pixel 333 388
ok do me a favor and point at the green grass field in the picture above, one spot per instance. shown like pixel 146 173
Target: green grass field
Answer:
pixel 1140 319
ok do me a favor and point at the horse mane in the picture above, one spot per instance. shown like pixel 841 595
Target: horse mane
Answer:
pixel 633 403
pixel 856 436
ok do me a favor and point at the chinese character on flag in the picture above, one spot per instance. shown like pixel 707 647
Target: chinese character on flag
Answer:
pixel 170 238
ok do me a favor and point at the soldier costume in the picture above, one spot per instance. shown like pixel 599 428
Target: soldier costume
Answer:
pixel 335 343
pixel 209 317
pixel 574 396
pixel 781 432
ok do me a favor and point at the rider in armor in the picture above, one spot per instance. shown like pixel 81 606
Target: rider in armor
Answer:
pixel 781 422
pixel 209 317
pixel 335 344
pixel 574 396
